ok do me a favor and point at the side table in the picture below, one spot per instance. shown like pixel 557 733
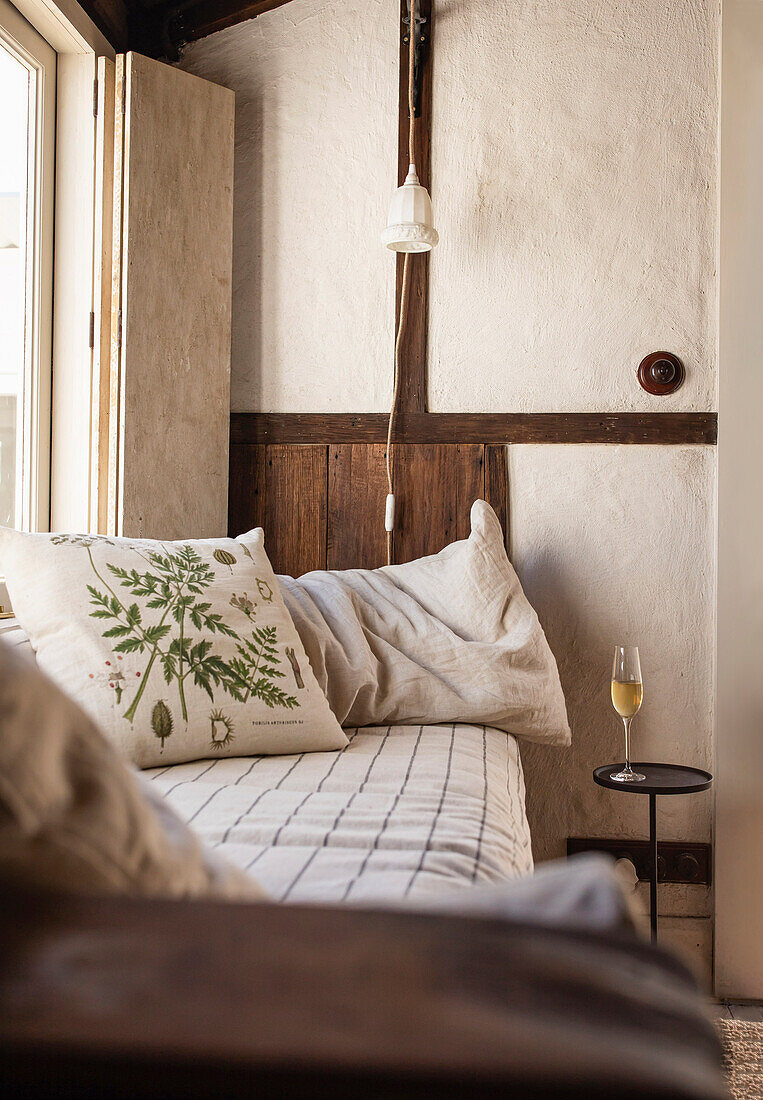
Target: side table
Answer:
pixel 660 779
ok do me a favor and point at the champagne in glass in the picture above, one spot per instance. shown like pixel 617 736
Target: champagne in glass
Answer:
pixel 627 696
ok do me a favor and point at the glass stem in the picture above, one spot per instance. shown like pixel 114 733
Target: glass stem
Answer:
pixel 627 724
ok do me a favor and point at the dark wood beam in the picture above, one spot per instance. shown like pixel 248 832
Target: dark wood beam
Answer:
pixel 160 30
pixel 413 348
pixel 493 428
pixel 112 20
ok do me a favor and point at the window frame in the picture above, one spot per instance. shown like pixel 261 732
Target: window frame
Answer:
pixel 34 52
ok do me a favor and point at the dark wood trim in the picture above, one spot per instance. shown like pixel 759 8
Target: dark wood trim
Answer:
pixel 111 19
pixel 492 428
pixel 413 347
pixel 160 29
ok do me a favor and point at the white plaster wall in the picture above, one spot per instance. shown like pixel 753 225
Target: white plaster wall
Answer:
pixel 574 183
pixel 574 165
pixel 316 160
pixel 615 545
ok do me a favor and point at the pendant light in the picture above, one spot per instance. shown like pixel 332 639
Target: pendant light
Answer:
pixel 410 228
pixel 410 224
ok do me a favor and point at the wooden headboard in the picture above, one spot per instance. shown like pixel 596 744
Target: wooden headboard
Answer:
pixel 322 505
pixel 316 481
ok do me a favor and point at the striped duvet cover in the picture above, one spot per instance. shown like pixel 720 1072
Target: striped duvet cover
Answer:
pixel 402 811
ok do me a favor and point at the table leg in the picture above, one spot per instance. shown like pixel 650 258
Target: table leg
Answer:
pixel 653 845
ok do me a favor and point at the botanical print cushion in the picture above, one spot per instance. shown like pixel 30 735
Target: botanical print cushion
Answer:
pixel 177 650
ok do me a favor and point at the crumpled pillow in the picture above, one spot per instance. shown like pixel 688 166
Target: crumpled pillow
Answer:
pixel 74 816
pixel 447 638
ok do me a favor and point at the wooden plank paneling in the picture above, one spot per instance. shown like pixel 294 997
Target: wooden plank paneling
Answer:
pixel 283 489
pixel 636 428
pixel 497 485
pixel 246 489
pixel 295 508
pixel 357 489
pixel 324 507
pixel 435 486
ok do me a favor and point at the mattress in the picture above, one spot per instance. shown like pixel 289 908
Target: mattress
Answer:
pixel 401 812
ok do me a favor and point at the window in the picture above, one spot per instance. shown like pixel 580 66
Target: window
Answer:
pixel 27 148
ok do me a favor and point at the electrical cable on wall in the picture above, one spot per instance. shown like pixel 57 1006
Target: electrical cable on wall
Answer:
pixel 389 515
pixel 409 229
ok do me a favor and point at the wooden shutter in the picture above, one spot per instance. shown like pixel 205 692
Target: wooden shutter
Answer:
pixel 169 368
pixel 103 254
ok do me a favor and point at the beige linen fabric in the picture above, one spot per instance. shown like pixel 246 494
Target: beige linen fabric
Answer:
pixel 74 816
pixel 177 650
pixel 448 638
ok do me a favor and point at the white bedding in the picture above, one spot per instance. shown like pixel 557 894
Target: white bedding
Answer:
pixel 402 811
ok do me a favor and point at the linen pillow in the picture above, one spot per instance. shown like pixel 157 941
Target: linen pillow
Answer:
pixel 74 816
pixel 448 638
pixel 177 650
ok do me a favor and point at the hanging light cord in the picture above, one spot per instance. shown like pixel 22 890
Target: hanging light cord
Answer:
pixel 390 512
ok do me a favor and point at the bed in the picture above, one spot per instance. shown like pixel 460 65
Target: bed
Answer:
pixel 430 669
pixel 402 812
pixel 406 962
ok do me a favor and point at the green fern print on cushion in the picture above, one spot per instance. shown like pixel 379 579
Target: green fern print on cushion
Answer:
pixel 178 650
pixel 173 587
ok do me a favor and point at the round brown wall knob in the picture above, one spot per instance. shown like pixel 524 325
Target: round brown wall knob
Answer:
pixel 661 373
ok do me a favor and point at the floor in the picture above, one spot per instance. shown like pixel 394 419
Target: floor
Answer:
pixel 749 1011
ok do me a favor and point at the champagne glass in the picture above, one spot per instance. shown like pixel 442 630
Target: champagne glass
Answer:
pixel 627 696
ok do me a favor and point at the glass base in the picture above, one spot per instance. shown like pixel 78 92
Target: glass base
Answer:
pixel 627 775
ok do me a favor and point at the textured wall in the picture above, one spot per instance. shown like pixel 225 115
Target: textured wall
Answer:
pixel 316 160
pixel 616 545
pixel 574 177
pixel 574 183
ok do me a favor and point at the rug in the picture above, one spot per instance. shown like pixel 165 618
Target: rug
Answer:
pixel 743 1055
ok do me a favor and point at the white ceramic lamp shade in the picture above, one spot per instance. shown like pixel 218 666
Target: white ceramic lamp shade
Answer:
pixel 409 223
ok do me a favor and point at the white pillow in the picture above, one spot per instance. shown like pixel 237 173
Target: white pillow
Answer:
pixel 448 638
pixel 177 651
pixel 74 816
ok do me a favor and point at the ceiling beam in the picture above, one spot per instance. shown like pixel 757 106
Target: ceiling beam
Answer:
pixel 111 18
pixel 161 30
pixel 207 16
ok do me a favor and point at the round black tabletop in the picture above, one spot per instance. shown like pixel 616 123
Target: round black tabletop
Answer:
pixel 660 778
